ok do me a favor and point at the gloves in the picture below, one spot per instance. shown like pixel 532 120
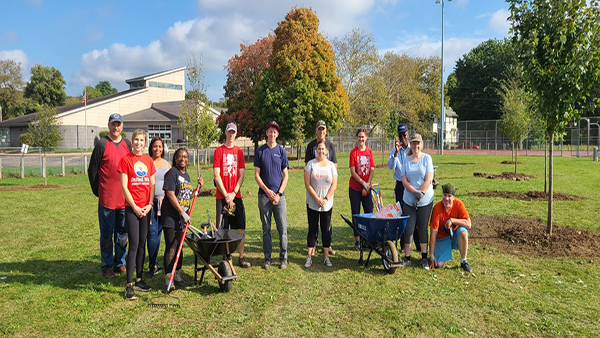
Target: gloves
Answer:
pixel 418 194
pixel 366 185
pixel 186 218
pixel 448 223
pixel 432 262
pixel 415 203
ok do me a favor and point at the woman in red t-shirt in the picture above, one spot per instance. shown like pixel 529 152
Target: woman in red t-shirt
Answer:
pixel 362 165
pixel 137 182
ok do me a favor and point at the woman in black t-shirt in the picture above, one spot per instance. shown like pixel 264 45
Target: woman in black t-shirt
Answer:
pixel 178 197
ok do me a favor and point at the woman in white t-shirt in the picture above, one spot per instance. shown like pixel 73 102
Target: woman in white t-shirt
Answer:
pixel 320 180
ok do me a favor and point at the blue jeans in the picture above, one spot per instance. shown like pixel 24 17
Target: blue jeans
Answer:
pixel 154 234
pixel 112 229
pixel 279 212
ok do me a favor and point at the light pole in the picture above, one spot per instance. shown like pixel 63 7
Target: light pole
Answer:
pixel 442 115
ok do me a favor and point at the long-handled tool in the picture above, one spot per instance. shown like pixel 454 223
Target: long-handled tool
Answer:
pixel 196 191
pixel 376 196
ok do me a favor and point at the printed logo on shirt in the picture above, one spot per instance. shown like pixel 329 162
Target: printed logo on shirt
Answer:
pixel 363 165
pixel 140 169
pixel 324 176
pixel 230 165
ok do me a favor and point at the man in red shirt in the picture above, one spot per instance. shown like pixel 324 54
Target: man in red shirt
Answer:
pixel 228 169
pixel 449 225
pixel 105 181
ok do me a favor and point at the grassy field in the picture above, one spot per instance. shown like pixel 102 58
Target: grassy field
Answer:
pixel 50 281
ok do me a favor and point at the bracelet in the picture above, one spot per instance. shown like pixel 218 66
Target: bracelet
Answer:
pixel 325 198
pixel 235 192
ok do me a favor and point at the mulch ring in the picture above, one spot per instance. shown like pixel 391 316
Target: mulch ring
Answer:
pixel 527 196
pixel 510 162
pixel 527 237
pixel 504 176
pixel 37 187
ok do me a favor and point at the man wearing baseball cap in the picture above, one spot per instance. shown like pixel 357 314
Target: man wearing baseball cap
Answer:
pixel 450 224
pixel 228 169
pixel 271 174
pixel 311 153
pixel 105 181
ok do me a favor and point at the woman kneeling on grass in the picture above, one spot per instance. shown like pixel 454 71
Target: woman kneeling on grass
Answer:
pixel 178 194
pixel 320 180
pixel 137 182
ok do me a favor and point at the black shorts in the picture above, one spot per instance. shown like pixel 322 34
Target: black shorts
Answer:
pixel 237 221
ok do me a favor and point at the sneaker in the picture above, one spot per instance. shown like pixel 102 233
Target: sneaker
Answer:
pixel 177 280
pixel 406 263
pixel 356 246
pixel 120 269
pixel 108 274
pixel 465 266
pixel 129 294
pixel 425 264
pixel 141 286
pixel 154 271
pixel 266 265
pixel 308 262
pixel 327 262
pixel 283 264
pixel 243 262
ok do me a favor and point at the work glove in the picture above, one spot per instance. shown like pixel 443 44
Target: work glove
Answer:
pixel 366 185
pixel 418 194
pixel 432 262
pixel 448 224
pixel 186 218
pixel 415 203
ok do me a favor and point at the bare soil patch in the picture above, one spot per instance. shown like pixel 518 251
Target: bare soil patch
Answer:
pixel 526 196
pixel 504 176
pixel 527 236
pixel 510 162
pixel 38 187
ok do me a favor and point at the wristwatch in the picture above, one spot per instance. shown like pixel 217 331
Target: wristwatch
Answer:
pixel 280 193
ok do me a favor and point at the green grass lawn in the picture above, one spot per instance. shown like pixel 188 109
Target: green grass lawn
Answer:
pixel 51 285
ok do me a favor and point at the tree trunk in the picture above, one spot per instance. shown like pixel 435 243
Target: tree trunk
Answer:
pixel 550 170
pixel 512 151
pixel 44 169
pixel 516 158
pixel 545 167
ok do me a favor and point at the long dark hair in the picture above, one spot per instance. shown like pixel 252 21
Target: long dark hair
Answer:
pixel 156 139
pixel 182 149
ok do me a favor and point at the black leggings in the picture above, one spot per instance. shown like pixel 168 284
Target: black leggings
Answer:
pixel 137 231
pixel 172 239
pixel 356 199
pixel 420 218
pixel 313 227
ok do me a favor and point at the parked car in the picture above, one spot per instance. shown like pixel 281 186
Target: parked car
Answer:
pixel 467 145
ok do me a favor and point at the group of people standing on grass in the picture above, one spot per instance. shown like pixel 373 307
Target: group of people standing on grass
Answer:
pixel 141 196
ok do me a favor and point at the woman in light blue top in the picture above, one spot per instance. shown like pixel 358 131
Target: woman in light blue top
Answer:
pixel 417 174
pixel 156 149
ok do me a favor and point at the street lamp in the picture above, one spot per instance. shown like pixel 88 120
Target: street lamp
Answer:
pixel 442 115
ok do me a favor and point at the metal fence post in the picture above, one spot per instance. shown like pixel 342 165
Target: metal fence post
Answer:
pixel 0 168
pixel 62 165
pixel 22 167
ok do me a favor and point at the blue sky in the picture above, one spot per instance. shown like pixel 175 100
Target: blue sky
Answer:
pixel 92 41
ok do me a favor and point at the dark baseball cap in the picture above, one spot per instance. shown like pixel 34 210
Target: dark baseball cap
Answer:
pixel 449 189
pixel 402 128
pixel 273 124
pixel 321 124
pixel 115 117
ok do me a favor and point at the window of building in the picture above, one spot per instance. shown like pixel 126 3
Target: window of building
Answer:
pixel 161 130
pixel 4 137
pixel 165 85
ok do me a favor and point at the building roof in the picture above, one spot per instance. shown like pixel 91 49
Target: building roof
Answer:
pixel 158 112
pixel 151 76
pixel 450 112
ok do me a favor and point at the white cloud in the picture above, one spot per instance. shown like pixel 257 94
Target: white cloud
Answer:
pixel 214 37
pixel 19 56
pixel 499 21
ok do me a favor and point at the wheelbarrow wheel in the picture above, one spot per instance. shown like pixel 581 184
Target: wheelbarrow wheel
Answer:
pixel 225 271
pixel 390 252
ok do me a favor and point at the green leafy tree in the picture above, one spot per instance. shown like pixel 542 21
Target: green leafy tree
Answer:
pixel 195 117
pixel 357 59
pixel 11 89
pixel 478 76
pixel 105 88
pixel 301 87
pixel 558 46
pixel 46 86
pixel 92 93
pixel 44 132
pixel 515 122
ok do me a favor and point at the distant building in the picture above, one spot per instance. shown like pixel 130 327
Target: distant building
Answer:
pixel 152 103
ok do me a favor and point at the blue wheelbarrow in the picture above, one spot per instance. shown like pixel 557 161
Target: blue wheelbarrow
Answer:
pixel 380 235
